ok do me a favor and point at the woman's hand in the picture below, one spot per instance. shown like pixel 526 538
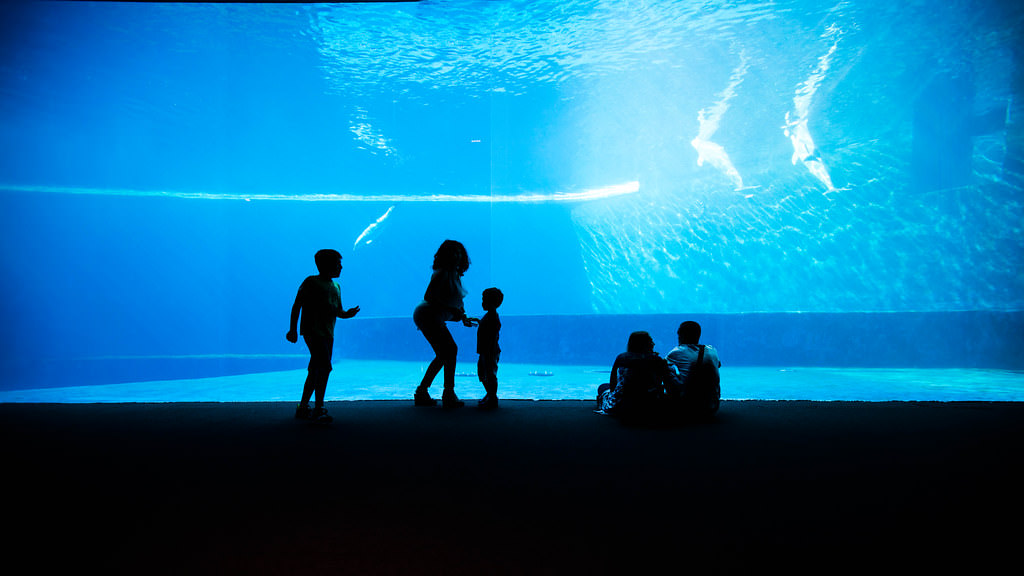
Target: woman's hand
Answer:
pixel 469 322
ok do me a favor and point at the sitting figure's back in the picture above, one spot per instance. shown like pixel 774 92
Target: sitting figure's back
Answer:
pixel 698 388
pixel 637 384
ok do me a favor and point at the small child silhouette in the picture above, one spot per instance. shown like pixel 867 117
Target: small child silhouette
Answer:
pixel 319 301
pixel 487 347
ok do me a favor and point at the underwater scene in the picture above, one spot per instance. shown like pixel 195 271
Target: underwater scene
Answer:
pixel 832 189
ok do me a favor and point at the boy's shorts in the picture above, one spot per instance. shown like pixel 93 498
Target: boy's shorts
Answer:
pixel 320 351
pixel 487 368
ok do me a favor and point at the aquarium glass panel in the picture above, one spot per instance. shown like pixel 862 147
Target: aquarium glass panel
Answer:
pixel 167 171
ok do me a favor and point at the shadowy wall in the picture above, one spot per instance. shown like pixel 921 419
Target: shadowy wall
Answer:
pixel 898 340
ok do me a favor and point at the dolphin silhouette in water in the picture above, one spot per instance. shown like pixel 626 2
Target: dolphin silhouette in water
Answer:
pixel 709 119
pixel 795 127
pixel 715 155
pixel 805 151
pixel 370 233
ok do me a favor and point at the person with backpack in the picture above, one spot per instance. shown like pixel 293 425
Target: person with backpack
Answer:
pixel 697 389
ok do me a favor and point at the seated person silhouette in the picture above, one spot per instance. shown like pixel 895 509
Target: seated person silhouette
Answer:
pixel 636 388
pixel 696 390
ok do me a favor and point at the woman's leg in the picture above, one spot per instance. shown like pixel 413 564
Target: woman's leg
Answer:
pixel 445 353
pixel 428 322
pixel 441 341
pixel 428 377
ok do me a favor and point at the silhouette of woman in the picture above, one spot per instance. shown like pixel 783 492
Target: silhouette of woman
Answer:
pixel 442 303
pixel 637 384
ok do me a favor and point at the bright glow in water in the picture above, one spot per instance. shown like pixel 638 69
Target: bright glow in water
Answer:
pixel 525 198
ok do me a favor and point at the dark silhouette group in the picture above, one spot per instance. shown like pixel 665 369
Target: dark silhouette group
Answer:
pixel 642 385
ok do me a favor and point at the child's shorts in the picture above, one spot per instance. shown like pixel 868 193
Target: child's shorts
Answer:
pixel 320 351
pixel 487 368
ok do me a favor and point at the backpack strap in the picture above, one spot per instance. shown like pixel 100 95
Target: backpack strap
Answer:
pixel 700 355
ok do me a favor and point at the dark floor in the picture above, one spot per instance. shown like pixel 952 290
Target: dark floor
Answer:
pixel 532 488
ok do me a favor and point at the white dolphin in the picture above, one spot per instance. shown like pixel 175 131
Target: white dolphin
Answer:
pixel 369 234
pixel 795 127
pixel 709 119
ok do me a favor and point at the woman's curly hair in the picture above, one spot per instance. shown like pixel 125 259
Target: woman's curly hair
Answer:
pixel 451 256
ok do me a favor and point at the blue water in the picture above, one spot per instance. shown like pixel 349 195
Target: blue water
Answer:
pixel 395 380
pixel 848 174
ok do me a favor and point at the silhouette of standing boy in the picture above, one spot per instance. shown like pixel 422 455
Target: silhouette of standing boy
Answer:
pixel 487 347
pixel 319 301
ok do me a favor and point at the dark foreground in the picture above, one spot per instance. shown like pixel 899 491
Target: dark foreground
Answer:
pixel 533 488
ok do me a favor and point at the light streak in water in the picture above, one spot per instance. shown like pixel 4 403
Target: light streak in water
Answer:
pixel 372 138
pixel 525 198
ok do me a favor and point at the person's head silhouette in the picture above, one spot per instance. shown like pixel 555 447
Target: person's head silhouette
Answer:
pixel 492 298
pixel 689 332
pixel 640 342
pixel 451 255
pixel 328 262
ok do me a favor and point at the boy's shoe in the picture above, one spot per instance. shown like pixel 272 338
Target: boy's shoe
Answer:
pixel 450 400
pixel 302 412
pixel 320 416
pixel 422 398
pixel 488 402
